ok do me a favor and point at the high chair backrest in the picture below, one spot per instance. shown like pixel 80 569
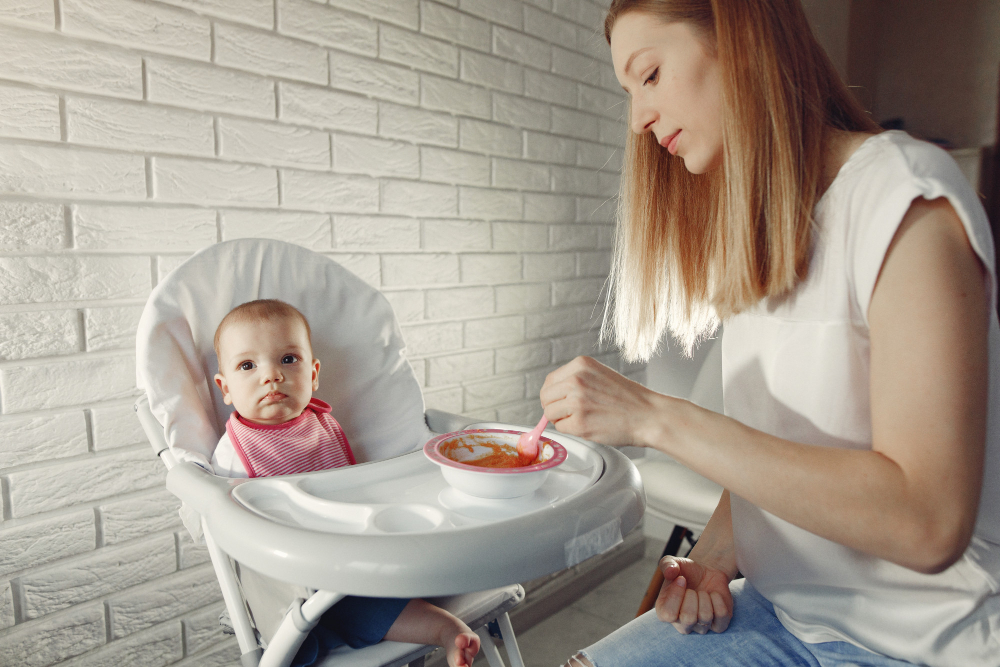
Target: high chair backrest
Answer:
pixel 364 374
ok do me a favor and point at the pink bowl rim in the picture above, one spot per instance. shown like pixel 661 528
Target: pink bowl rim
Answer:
pixel 431 451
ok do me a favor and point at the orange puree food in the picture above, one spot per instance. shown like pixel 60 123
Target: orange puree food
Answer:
pixel 500 456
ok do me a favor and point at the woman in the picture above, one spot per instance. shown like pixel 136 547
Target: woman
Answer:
pixel 854 273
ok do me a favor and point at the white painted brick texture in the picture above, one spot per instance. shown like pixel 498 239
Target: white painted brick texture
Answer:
pixel 460 155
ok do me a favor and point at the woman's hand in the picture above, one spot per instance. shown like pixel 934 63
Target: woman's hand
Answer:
pixel 588 399
pixel 693 597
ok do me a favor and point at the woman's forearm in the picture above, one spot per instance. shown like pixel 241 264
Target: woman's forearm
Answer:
pixel 715 547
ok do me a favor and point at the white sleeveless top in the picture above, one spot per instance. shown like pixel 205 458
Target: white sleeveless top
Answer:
pixel 798 368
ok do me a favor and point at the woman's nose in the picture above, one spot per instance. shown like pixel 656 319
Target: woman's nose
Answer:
pixel 643 117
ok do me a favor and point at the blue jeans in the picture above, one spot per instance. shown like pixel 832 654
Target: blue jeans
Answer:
pixel 755 638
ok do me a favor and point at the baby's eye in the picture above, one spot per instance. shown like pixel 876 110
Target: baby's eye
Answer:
pixel 247 366
pixel 289 359
pixel 652 77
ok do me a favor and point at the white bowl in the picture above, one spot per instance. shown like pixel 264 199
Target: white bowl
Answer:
pixel 494 483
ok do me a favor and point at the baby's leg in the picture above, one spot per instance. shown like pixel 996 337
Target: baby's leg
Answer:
pixel 423 623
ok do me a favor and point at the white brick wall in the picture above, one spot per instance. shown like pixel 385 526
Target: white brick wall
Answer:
pixel 460 155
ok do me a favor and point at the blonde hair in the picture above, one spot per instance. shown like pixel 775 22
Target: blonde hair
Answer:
pixel 691 250
pixel 261 310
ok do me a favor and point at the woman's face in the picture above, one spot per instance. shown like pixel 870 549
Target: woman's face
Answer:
pixel 672 75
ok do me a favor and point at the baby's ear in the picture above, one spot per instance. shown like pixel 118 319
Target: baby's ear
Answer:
pixel 315 374
pixel 220 381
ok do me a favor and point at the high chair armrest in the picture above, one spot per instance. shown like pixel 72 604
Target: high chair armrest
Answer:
pixel 154 431
pixel 440 421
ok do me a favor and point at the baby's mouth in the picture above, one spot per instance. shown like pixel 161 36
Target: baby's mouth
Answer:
pixel 272 397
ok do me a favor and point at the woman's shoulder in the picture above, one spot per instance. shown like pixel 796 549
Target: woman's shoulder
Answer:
pixel 893 159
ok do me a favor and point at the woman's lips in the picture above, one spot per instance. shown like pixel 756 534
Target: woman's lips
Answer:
pixel 670 143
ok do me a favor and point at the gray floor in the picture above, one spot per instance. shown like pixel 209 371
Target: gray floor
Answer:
pixel 601 611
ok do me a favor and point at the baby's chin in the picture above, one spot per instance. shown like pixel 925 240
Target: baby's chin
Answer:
pixel 271 414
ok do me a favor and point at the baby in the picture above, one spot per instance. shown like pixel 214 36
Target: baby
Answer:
pixel 268 373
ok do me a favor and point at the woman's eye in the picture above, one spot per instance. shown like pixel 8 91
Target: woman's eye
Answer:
pixel 289 359
pixel 652 77
pixel 246 366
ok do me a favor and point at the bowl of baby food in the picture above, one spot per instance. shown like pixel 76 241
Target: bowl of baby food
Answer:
pixel 483 462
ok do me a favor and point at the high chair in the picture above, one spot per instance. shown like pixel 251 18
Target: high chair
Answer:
pixel 287 548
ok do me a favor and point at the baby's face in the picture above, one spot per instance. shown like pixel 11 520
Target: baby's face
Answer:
pixel 266 369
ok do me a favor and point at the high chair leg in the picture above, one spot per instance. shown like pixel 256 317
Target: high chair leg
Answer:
pixel 509 640
pixel 301 617
pixel 489 647
pixel 234 601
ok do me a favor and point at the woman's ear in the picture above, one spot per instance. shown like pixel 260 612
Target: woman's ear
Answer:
pixel 220 381
pixel 315 374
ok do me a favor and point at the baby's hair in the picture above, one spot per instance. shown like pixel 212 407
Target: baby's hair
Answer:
pixel 261 310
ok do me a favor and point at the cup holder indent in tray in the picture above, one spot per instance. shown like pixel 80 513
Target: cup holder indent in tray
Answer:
pixel 408 519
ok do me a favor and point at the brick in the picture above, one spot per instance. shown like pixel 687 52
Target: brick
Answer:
pixel 481 415
pixel 138 516
pixel 38 334
pixel 196 181
pixel 574 180
pixel 590 41
pixel 30 439
pixel 40 12
pixel 606 158
pixel 106 571
pixel 553 322
pixel 523 298
pixel 576 66
pixel 495 331
pixel 408 305
pixel 449 400
pixel 30 226
pixel 456 235
pixel 400 12
pixel 6 605
pixel 459 302
pixel 575 124
pixel 310 230
pixel 606 237
pixel 549 266
pixel 552 29
pixel 328 26
pixel 55 638
pixel 568 9
pixel 33 543
pixel 224 654
pixel 522 48
pixel 549 208
pixel 489 138
pixel 609 80
pixel 336 193
pixel 376 157
pixel 202 630
pixel 593 263
pixel 420 199
pixel 116 425
pixel 525 414
pixel 523 357
pixel 489 204
pixel 520 175
pixel 55 60
pixel 490 269
pixel 449 166
pixel 592 16
pixel 57 384
pixel 418 125
pixel 140 24
pixel 519 237
pixel 534 380
pixel 209 87
pixel 365 266
pixel 189 553
pixel 549 88
pixel 568 348
pixel 167 263
pixel 492 392
pixel 492 72
pixel 507 12
pixel 52 487
pixel 417 51
pixel 596 209
pixel 457 368
pixel 419 367
pixel 358 232
pixel 42 279
pixel 58 170
pixel 273 143
pixel 608 183
pixel 520 112
pixel 29 114
pixel 445 23
pixel 373 78
pixel 161 645
pixel 574 237
pixel 585 291
pixel 162 600
pixel 541 4
pixel 547 148
pixel 409 270
pixel 600 101
pixel 423 339
pixel 454 96
pixel 143 228
pixel 138 127
pixel 613 132
pixel 253 12
pixel 268 53
pixel 327 109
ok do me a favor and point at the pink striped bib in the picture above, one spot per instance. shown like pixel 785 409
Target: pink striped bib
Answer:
pixel 312 441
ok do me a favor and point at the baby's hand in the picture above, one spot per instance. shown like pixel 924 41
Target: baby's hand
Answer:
pixel 464 651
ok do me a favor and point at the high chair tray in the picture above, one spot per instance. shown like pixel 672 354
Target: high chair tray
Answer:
pixel 397 528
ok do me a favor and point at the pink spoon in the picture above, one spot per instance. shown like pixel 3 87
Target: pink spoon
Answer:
pixel 527 444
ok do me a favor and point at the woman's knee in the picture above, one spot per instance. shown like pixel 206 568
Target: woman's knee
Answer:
pixel 578 660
